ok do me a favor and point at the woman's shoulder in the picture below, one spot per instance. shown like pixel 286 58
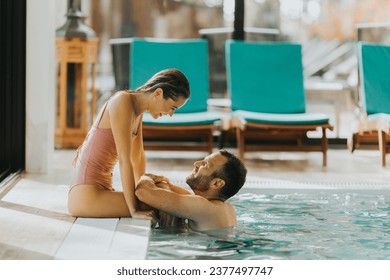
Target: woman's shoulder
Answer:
pixel 120 103
pixel 118 99
pixel 120 95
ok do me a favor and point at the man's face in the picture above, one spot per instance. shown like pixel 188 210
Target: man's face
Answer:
pixel 200 177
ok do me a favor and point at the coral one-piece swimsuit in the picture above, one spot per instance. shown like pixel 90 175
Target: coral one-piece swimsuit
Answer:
pixel 95 158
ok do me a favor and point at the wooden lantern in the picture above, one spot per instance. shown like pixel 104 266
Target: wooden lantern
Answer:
pixel 77 50
pixel 76 61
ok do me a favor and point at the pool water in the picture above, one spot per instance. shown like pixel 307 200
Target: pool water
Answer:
pixel 290 224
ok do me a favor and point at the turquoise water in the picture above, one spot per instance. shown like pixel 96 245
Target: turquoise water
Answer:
pixel 287 224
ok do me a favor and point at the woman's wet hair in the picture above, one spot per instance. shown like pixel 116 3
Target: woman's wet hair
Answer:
pixel 233 172
pixel 172 81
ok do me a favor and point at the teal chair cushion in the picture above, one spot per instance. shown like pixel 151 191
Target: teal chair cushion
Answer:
pixel 179 119
pixel 283 119
pixel 265 77
pixel 189 56
pixel 374 73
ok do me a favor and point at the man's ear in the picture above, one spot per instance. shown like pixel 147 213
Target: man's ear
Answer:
pixel 217 183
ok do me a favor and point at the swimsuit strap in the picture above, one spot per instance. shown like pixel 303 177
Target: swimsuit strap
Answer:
pixel 104 109
pixel 102 113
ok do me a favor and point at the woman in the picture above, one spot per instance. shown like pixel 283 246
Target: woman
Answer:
pixel 116 136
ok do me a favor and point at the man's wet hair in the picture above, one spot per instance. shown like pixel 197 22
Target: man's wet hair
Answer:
pixel 233 172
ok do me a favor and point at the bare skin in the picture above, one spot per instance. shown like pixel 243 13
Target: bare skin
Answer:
pixel 123 115
pixel 202 207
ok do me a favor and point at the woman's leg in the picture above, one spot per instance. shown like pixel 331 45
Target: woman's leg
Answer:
pixel 95 201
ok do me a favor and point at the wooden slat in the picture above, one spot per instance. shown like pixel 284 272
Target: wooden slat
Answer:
pixel 282 148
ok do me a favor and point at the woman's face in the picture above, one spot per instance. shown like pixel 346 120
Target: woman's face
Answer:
pixel 160 106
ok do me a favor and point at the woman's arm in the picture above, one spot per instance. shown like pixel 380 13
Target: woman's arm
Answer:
pixel 122 124
pixel 138 156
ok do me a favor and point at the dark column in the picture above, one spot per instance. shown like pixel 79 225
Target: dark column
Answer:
pixel 238 33
pixel 12 86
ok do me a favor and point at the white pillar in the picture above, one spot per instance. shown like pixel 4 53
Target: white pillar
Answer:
pixel 40 84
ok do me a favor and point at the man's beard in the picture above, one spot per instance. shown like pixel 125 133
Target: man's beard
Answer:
pixel 199 183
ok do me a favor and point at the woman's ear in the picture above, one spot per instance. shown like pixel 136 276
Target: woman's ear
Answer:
pixel 158 93
pixel 217 183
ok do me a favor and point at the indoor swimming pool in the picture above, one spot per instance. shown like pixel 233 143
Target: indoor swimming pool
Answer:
pixel 279 224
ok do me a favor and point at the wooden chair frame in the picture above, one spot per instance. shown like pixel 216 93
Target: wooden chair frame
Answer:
pixel 376 133
pixel 178 138
pixel 384 141
pixel 289 137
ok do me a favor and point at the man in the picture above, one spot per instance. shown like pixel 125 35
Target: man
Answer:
pixel 214 180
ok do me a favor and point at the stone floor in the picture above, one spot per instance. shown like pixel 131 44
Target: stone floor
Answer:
pixel 33 213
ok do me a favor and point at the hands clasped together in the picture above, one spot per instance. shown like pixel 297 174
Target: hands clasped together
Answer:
pixel 157 181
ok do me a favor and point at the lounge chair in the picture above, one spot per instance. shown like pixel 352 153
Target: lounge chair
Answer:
pixel 265 83
pixel 192 125
pixel 374 77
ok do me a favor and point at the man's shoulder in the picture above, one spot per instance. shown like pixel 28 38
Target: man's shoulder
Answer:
pixel 222 206
pixel 218 214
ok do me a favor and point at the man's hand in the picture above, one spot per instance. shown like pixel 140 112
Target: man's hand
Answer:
pixel 157 178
